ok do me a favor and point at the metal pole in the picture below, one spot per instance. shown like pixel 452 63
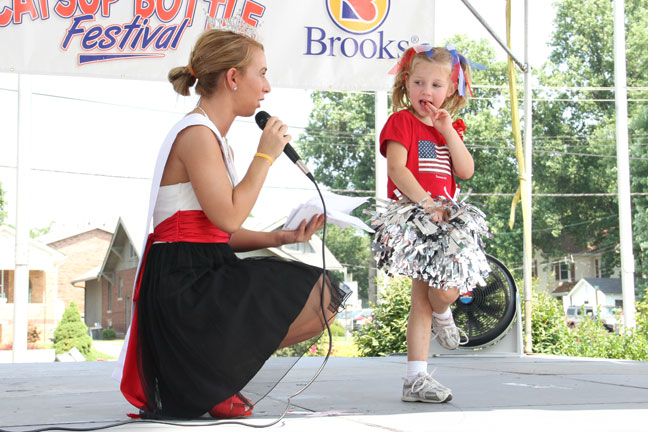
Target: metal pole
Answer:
pixel 21 272
pixel 623 166
pixel 380 112
pixel 528 160
pixel 380 118
pixel 521 65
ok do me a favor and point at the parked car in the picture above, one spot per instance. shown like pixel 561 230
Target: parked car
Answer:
pixel 364 317
pixel 605 314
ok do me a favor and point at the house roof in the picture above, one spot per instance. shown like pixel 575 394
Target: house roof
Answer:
pixel 607 285
pixel 563 289
pixel 40 256
pixel 89 275
pixel 65 232
pixel 120 237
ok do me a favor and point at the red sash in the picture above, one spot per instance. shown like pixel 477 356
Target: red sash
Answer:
pixel 186 226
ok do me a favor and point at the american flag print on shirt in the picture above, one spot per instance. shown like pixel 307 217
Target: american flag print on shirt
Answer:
pixel 433 159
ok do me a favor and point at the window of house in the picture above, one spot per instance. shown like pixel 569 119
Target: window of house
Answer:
pixel 4 283
pixel 564 271
pixel 121 288
pixel 109 302
pixel 597 269
pixel 618 304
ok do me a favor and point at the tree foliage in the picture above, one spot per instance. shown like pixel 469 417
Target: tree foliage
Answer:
pixel 3 212
pixel 72 332
pixel 351 248
pixel 339 140
pixel 574 129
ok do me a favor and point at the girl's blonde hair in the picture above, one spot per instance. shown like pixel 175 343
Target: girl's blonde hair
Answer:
pixel 215 52
pixel 441 56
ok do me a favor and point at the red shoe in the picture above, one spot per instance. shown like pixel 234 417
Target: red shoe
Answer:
pixel 233 407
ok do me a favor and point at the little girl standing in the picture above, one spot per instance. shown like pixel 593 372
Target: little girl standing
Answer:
pixel 424 151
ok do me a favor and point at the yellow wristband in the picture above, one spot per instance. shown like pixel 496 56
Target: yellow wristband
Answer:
pixel 265 156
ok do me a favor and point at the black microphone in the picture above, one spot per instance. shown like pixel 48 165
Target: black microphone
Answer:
pixel 261 119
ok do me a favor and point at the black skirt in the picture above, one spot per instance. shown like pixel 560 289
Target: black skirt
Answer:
pixel 209 320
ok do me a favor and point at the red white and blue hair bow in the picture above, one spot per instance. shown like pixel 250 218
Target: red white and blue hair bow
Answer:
pixel 458 74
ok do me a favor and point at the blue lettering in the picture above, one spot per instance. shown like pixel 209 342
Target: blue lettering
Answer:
pixel 110 39
pixel 90 38
pixel 148 39
pixel 403 45
pixel 134 25
pixel 74 29
pixel 165 38
pixel 384 48
pixel 310 41
pixel 332 41
pixel 183 26
pixel 362 48
pixel 343 47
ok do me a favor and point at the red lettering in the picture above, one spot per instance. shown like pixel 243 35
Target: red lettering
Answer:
pixel 21 8
pixel 65 8
pixel 105 7
pixel 167 15
pixel 5 16
pixel 44 9
pixel 144 8
pixel 191 8
pixel 90 7
pixel 251 12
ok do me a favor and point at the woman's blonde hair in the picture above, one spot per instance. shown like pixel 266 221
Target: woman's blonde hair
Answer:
pixel 441 56
pixel 215 52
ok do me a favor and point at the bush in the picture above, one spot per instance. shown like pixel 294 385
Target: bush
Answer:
pixel 72 332
pixel 590 338
pixel 33 335
pixel 387 333
pixel 108 334
pixel 549 331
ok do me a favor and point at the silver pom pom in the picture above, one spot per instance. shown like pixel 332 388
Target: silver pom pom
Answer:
pixel 445 254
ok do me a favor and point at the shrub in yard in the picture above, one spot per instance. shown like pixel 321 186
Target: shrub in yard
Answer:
pixel 108 334
pixel 33 335
pixel 386 334
pixel 72 332
pixel 549 331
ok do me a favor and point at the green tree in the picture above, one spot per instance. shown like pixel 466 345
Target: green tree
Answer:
pixel 339 140
pixel 72 332
pixel 351 248
pixel 3 212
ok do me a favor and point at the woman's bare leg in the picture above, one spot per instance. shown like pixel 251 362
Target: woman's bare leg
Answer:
pixel 309 322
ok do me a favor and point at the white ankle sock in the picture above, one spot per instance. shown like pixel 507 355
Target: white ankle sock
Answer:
pixel 443 316
pixel 413 369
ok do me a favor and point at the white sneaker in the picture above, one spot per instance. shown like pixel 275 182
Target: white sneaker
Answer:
pixel 424 388
pixel 449 336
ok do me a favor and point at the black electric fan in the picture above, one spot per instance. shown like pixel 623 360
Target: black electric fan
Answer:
pixel 487 313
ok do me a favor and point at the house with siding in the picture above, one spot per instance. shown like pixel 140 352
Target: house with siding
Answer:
pixel 44 308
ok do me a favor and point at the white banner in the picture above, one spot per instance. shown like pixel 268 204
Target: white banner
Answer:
pixel 314 44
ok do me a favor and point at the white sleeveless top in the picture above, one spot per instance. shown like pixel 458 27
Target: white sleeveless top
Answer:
pixel 173 198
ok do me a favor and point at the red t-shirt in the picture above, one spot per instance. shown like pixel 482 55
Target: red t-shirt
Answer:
pixel 428 156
